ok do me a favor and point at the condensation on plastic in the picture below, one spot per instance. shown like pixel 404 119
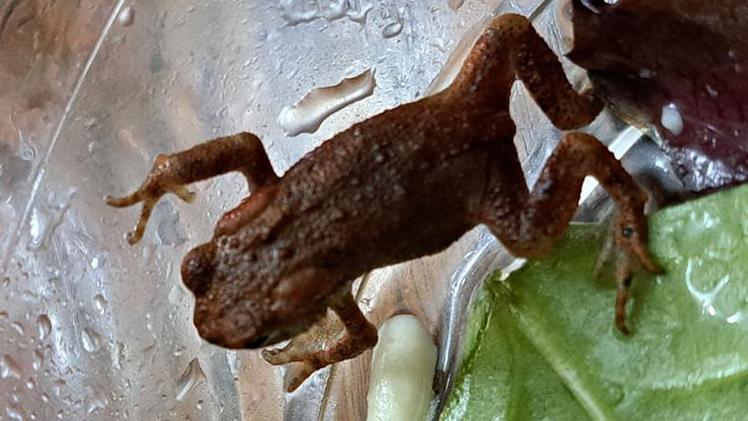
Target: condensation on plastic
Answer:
pixel 92 91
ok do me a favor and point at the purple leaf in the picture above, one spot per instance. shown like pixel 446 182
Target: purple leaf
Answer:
pixel 680 66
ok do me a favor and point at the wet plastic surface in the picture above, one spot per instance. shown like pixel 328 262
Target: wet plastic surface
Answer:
pixel 91 92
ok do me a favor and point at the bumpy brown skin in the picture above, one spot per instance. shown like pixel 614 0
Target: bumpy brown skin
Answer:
pixel 400 185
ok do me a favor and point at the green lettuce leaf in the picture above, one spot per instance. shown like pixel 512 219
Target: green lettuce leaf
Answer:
pixel 541 344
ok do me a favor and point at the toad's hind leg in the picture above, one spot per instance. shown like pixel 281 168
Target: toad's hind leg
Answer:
pixel 342 334
pixel 171 173
pixel 529 224
pixel 510 49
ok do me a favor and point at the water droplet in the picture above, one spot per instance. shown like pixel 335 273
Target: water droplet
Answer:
pixel 90 122
pixel 308 114
pixel 303 11
pixel 148 323
pixel 671 119
pixel 100 303
pixel 97 405
pixel 58 387
pixel 705 295
pixel 191 377
pixel 9 368
pixel 30 384
pixel 39 227
pixel 37 360
pixel 13 413
pixel 43 326
pixel 734 318
pixel 46 217
pixel 29 296
pixel 126 16
pixel 336 10
pixel 295 12
pixel 711 91
pixel 26 151
pixel 646 74
pixel 18 327
pixel 393 29
pixel 91 340
pixel 359 13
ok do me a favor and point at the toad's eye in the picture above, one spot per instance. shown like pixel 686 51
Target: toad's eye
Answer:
pixel 197 269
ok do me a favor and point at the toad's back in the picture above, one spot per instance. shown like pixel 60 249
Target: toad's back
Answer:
pixel 392 188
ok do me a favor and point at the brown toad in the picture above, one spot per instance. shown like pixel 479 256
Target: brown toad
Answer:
pixel 400 185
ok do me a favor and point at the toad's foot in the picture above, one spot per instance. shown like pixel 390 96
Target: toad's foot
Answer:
pixel 531 229
pixel 625 242
pixel 155 186
pixel 343 334
pixel 630 236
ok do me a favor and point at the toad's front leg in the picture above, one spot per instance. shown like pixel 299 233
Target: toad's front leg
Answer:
pixel 529 224
pixel 171 173
pixel 342 334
